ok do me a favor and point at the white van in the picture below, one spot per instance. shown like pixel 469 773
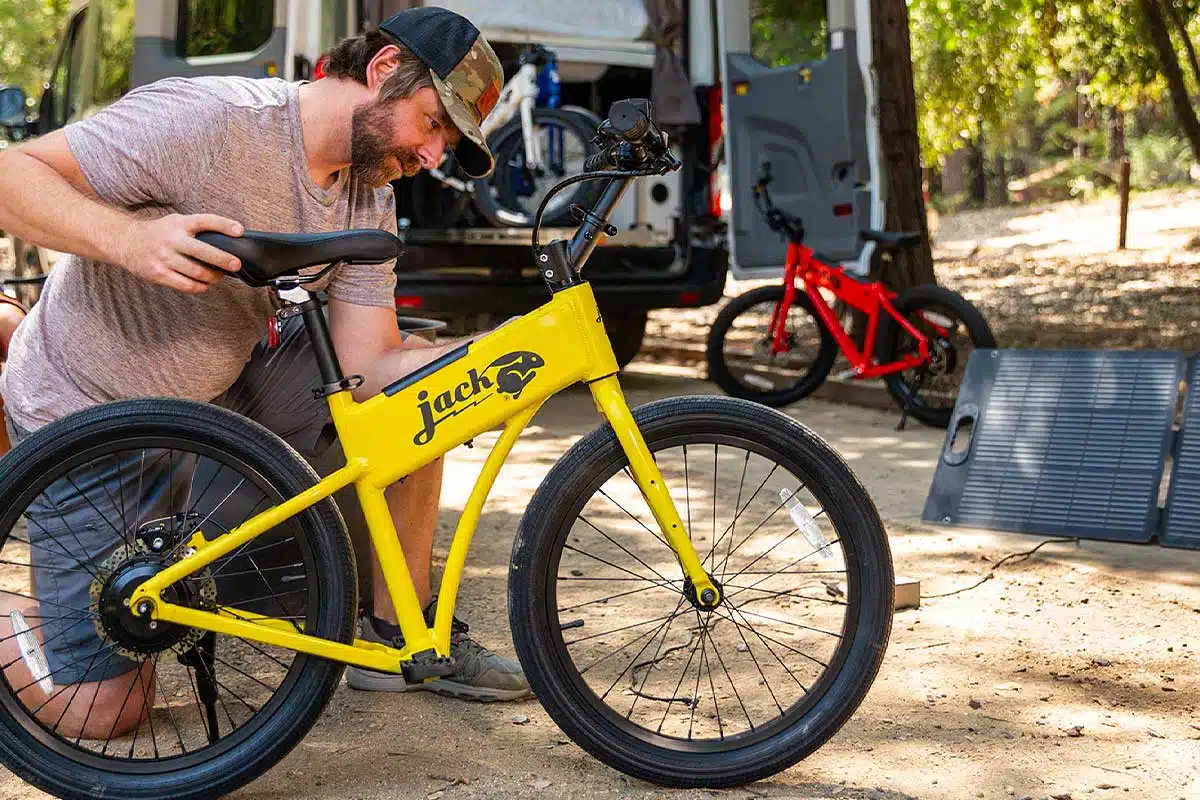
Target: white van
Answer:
pixel 812 120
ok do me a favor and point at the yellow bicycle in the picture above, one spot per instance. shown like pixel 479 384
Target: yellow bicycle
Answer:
pixel 700 590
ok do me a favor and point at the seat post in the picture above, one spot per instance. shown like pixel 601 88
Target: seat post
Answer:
pixel 322 342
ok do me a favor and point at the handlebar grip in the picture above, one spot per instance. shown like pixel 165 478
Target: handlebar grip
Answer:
pixel 600 161
pixel 631 119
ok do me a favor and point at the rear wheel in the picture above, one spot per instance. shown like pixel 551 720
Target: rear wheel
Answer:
pixel 99 702
pixel 742 361
pixel 954 329
pixel 612 639
pixel 511 195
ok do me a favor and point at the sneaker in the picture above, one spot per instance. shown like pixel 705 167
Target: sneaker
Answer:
pixel 481 674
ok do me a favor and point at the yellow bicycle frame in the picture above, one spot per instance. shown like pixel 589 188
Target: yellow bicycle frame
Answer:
pixel 503 377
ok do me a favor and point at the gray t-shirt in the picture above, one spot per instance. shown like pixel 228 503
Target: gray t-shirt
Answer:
pixel 227 146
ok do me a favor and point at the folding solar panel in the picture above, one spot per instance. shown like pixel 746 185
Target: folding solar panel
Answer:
pixel 1060 442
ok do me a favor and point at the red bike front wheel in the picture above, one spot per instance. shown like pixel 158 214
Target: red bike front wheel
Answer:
pixel 743 362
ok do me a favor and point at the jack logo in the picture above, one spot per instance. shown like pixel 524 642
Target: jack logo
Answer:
pixel 509 374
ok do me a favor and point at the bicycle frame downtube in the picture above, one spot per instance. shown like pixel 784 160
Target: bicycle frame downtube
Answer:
pixel 868 299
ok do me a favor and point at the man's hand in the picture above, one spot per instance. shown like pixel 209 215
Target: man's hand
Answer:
pixel 166 251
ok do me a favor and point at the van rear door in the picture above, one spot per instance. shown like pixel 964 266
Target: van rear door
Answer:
pixel 796 94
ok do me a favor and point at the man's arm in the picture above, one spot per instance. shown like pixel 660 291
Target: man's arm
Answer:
pixel 367 341
pixel 45 199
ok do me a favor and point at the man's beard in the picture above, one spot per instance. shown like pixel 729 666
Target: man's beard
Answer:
pixel 376 161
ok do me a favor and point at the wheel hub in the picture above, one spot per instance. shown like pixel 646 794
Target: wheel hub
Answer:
pixel 117 618
pixel 689 591
pixel 943 358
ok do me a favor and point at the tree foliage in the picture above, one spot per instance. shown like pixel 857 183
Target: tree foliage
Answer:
pixel 28 35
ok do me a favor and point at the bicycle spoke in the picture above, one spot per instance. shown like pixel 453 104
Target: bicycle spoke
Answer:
pixel 738 515
pixel 92 706
pixel 630 643
pixel 245 674
pixel 711 557
pixel 618 630
pixel 614 597
pixel 716 449
pixel 117 718
pixel 149 712
pixel 771 650
pixel 732 683
pixel 757 527
pixel 754 658
pixel 654 660
pixel 636 519
pixel 609 563
pixel 742 610
pixel 699 666
pixel 782 571
pixel 666 623
pixel 167 704
pixel 682 675
pixel 624 549
pixel 711 687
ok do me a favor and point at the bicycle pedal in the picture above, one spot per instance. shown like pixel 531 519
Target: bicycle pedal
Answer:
pixel 427 664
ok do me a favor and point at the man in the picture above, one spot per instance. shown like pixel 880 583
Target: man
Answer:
pixel 144 308
pixel 11 315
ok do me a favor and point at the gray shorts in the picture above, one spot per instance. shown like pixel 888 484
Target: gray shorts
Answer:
pixel 68 534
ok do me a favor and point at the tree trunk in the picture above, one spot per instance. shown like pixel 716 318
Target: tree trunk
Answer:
pixel 1116 134
pixel 1177 21
pixel 1186 115
pixel 977 170
pixel 892 65
pixel 999 192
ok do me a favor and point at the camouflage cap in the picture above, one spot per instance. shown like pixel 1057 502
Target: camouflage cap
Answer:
pixel 465 71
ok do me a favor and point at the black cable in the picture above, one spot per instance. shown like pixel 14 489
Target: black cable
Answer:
pixel 584 176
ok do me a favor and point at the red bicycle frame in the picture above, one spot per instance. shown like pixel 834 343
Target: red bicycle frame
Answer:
pixel 869 298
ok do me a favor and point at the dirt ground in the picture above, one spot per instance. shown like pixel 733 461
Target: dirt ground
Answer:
pixel 1071 673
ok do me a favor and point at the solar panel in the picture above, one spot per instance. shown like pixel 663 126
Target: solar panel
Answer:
pixel 1060 442
pixel 1182 520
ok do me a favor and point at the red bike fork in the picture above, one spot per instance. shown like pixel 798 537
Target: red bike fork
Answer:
pixel 778 328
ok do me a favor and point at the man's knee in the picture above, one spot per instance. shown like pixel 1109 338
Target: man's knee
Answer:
pixel 96 709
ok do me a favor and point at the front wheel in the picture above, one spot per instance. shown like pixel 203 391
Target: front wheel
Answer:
pixel 609 632
pixel 954 329
pixel 742 361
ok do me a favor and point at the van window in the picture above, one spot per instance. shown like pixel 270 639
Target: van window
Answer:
pixel 116 50
pixel 222 27
pixel 787 32
pixel 67 78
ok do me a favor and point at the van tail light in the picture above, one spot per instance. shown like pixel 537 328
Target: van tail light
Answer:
pixel 716 126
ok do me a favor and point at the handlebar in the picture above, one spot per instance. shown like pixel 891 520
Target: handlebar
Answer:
pixel 631 146
pixel 777 219
pixel 630 140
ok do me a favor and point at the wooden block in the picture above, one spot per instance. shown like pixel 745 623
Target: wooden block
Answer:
pixel 908 593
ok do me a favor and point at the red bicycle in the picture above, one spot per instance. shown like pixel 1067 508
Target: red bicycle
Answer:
pixel 777 344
